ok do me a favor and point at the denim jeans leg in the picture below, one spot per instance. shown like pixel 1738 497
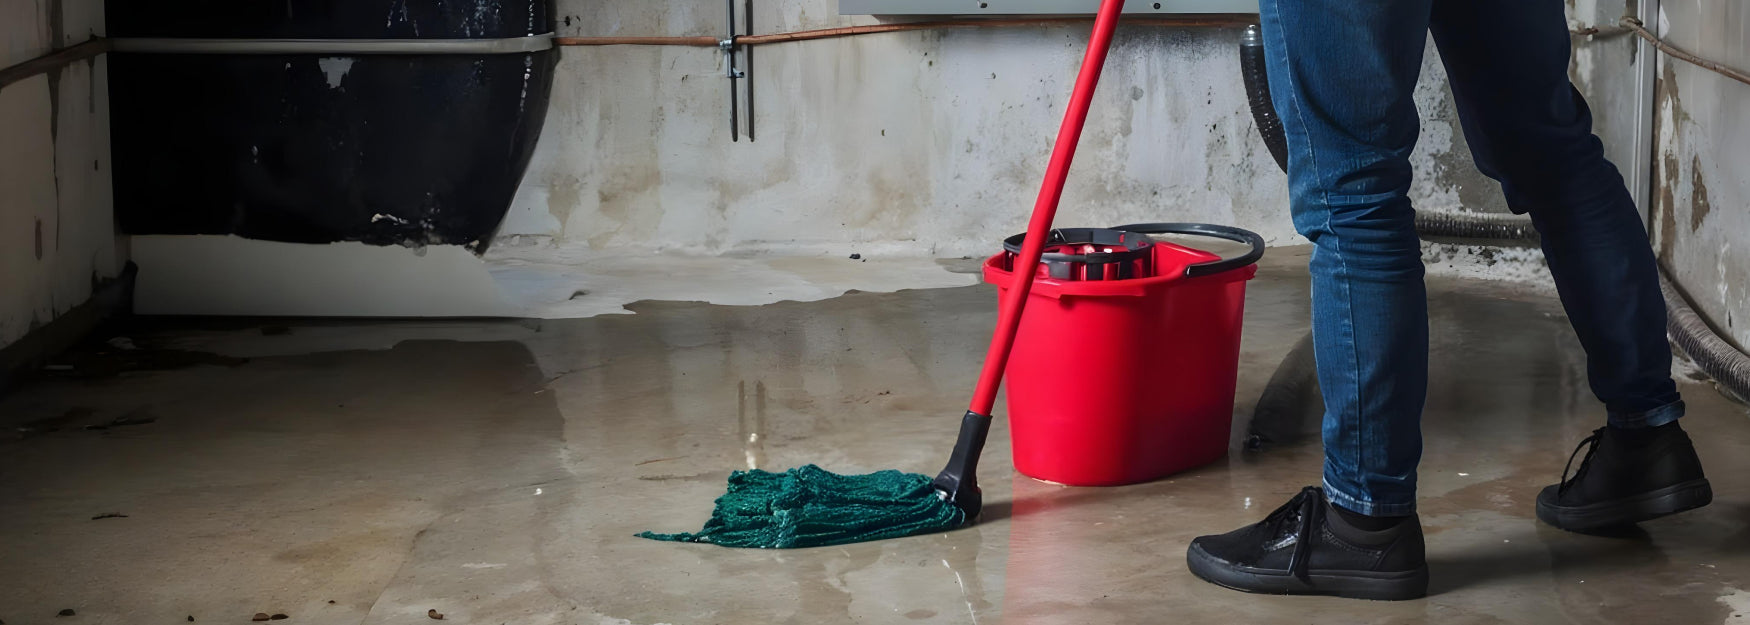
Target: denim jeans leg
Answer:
pixel 1530 129
pixel 1342 73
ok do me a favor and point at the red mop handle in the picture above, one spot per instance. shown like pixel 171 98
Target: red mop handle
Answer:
pixel 1045 209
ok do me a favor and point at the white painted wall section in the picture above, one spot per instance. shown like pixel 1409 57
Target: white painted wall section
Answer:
pixel 57 233
pixel 1701 211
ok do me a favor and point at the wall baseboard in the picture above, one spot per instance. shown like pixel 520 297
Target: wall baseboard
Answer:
pixel 112 299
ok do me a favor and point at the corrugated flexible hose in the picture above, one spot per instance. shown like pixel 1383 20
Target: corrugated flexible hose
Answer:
pixel 1258 95
pixel 1713 355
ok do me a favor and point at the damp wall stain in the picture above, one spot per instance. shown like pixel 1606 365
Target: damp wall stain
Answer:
pixel 1701 208
pixel 55 17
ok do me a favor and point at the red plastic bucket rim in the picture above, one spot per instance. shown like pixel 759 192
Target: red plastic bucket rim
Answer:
pixel 1166 276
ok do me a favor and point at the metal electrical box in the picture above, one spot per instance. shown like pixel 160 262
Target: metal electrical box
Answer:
pixel 1038 7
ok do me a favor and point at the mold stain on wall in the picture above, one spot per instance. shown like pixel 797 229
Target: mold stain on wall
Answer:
pixel 1699 206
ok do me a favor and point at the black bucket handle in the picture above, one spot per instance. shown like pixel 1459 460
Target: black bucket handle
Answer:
pixel 1208 230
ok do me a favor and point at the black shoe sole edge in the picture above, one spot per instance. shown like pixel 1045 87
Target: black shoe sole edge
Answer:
pixel 1387 586
pixel 1628 510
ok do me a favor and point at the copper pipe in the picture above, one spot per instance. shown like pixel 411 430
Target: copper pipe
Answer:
pixel 1635 25
pixel 702 42
pixel 53 60
pixel 1215 20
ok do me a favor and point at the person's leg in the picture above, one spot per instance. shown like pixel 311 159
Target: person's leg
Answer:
pixel 1342 73
pixel 1529 129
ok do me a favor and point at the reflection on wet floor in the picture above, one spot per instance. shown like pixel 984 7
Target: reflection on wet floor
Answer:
pixel 496 471
pixel 753 424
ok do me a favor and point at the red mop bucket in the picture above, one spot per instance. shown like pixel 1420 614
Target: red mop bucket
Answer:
pixel 1119 381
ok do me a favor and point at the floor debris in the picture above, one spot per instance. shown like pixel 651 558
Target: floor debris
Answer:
pixel 434 615
pixel 137 416
pixel 656 460
pixel 103 360
pixel 109 515
pixel 54 424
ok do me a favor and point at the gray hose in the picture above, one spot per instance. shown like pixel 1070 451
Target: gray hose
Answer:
pixel 1717 358
pixel 1485 228
pixel 1713 355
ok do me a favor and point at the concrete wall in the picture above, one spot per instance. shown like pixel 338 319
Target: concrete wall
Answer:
pixel 916 143
pixel 902 144
pixel 57 233
pixel 1701 207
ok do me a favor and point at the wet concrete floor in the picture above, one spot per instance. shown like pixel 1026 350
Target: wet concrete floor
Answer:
pixel 495 471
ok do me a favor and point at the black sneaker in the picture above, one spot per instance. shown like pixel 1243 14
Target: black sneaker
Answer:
pixel 1303 548
pixel 1627 476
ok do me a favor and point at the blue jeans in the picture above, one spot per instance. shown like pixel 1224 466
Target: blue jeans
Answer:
pixel 1341 75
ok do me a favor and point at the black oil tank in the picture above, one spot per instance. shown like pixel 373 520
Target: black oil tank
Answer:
pixel 408 149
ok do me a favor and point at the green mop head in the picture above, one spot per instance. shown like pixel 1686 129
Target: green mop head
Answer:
pixel 812 507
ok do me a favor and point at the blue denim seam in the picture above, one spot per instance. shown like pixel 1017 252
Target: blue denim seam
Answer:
pixel 1649 418
pixel 1354 504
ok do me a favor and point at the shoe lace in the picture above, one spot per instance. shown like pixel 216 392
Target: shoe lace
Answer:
pixel 1294 523
pixel 1591 445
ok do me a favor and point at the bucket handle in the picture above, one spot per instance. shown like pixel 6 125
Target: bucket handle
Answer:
pixel 1208 230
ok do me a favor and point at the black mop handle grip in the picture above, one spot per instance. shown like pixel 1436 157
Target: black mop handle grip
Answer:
pixel 958 482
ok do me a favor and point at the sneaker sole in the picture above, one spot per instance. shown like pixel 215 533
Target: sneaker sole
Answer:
pixel 1628 510
pixel 1379 586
